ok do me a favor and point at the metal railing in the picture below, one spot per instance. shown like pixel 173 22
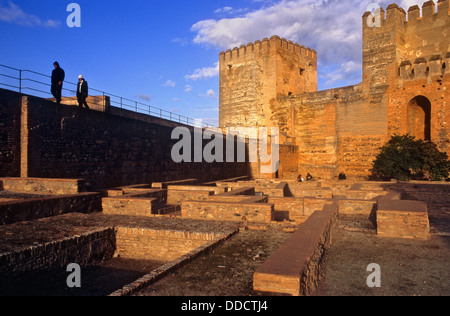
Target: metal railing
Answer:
pixel 35 83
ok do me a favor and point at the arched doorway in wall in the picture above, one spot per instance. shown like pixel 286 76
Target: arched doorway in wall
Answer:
pixel 419 118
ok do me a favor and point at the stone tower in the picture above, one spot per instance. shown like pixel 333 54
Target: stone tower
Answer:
pixel 252 75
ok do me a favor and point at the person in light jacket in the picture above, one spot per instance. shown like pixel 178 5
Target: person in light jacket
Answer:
pixel 82 92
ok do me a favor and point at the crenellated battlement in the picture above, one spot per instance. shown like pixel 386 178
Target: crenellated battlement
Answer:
pixel 395 15
pixel 425 67
pixel 268 46
pixel 412 39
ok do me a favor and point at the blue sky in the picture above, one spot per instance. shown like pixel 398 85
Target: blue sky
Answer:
pixel 165 53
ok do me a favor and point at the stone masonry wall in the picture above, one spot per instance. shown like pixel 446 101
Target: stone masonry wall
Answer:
pixel 26 210
pixel 105 149
pixel 89 248
pixel 160 245
pixel 9 134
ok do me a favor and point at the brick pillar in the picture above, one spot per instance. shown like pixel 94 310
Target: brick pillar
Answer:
pixel 24 138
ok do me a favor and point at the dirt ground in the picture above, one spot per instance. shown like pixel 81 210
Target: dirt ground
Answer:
pixel 408 267
pixel 226 271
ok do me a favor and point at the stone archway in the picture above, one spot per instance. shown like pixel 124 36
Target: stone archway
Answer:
pixel 419 118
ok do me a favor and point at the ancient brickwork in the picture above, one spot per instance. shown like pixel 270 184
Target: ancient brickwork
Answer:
pixel 9 134
pixel 88 248
pixel 106 149
pixel 44 186
pixel 296 267
pixel 158 245
pixel 403 219
pixel 435 90
pixel 31 209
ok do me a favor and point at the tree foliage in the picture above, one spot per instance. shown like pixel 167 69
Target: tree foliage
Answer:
pixel 405 158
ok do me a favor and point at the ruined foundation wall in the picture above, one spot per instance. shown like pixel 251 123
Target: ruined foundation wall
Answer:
pixel 89 248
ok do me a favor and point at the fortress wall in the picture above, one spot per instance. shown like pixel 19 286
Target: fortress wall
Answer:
pixel 437 93
pixel 9 134
pixel 105 149
pixel 334 130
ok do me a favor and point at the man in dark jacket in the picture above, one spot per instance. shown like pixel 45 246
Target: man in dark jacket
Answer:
pixel 82 92
pixel 58 76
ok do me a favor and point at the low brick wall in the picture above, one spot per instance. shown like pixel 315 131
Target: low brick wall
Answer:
pixel 301 191
pixel 159 194
pixel 295 268
pixel 357 207
pixel 278 189
pixel 365 194
pixel 240 191
pixel 216 190
pixel 228 198
pixel 403 219
pixel 228 211
pixel 89 248
pixel 160 245
pixel 44 186
pixel 164 185
pixel 281 190
pixel 26 210
pixel 176 197
pixel 123 205
pixel 287 208
pixel 312 205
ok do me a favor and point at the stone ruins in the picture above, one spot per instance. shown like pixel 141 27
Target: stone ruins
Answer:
pixel 99 188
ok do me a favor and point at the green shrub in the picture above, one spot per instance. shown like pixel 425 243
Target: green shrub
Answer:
pixel 405 158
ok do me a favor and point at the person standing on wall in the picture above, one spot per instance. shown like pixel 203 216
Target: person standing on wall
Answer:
pixel 58 76
pixel 82 92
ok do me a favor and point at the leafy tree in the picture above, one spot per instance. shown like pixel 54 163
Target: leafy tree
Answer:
pixel 405 158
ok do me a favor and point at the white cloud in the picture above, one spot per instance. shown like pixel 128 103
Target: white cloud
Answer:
pixel 346 71
pixel 209 94
pixel 223 10
pixel 144 97
pixel 181 41
pixel 188 89
pixel 169 83
pixel 229 11
pixel 333 28
pixel 204 73
pixel 12 13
